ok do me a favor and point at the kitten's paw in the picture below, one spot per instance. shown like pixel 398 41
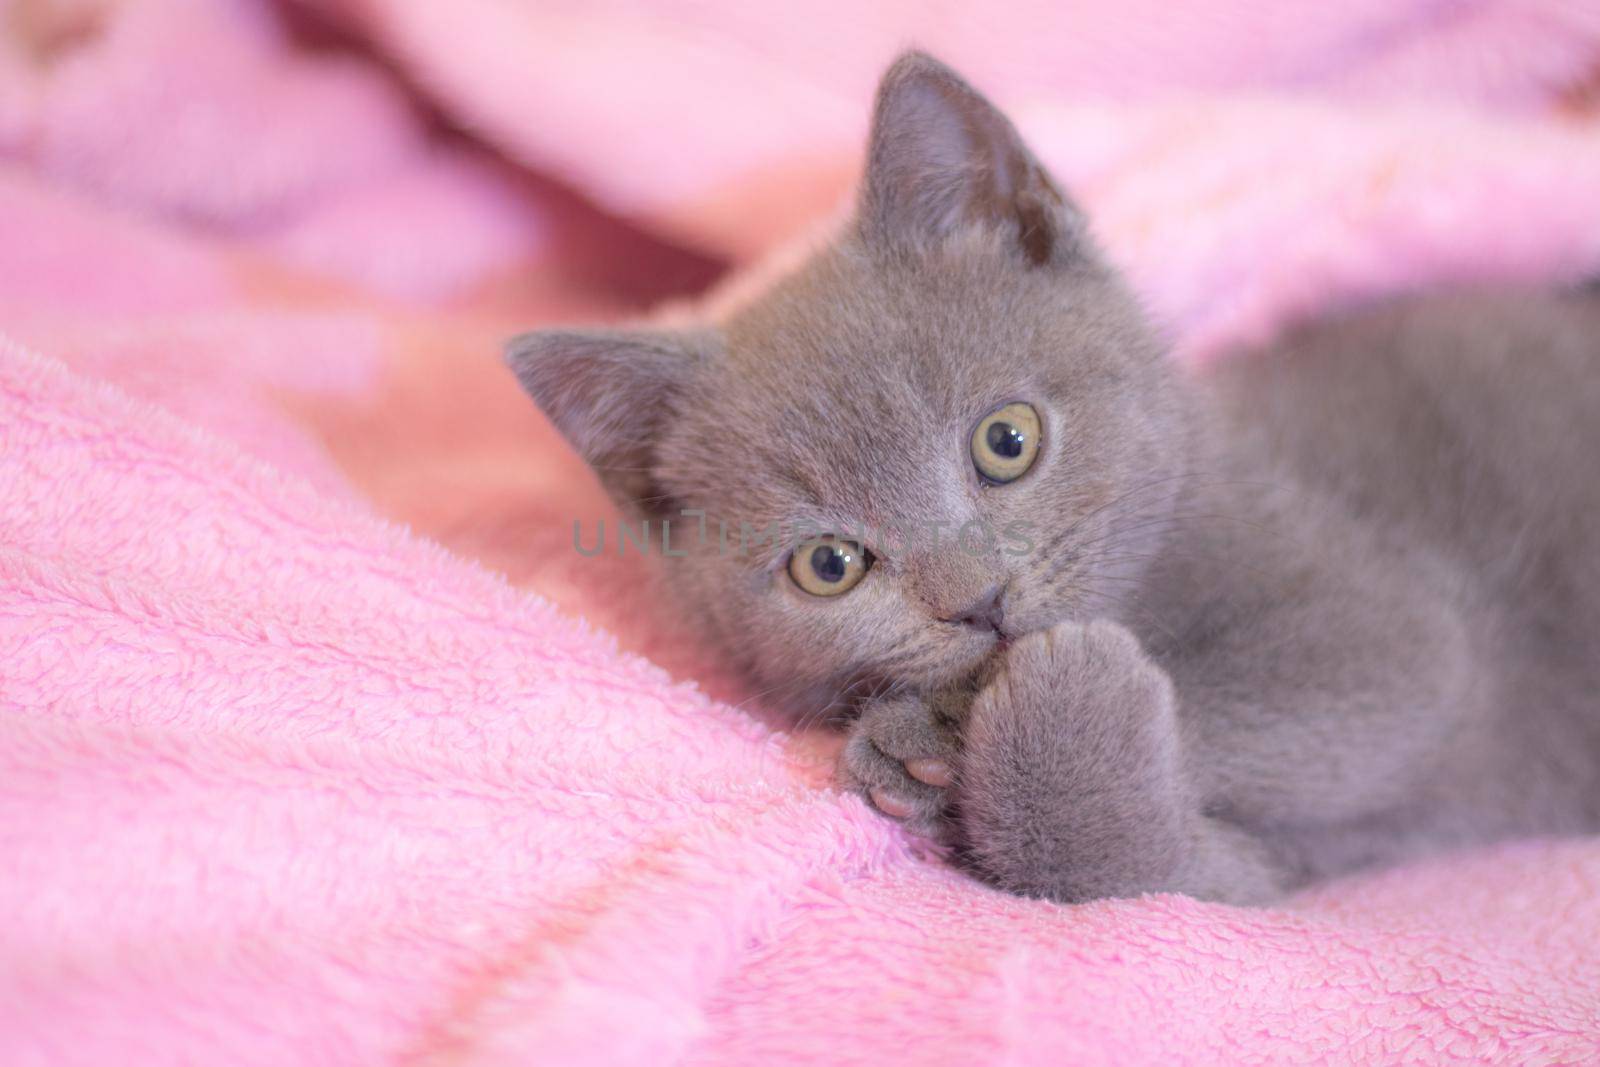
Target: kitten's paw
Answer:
pixel 1069 786
pixel 901 756
pixel 1073 664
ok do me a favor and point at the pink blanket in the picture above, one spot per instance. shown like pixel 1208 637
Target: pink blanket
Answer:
pixel 283 781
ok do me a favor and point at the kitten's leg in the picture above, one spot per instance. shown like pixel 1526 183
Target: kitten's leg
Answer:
pixel 1072 781
pixel 900 755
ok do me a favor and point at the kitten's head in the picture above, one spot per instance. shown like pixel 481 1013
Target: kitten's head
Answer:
pixel 957 367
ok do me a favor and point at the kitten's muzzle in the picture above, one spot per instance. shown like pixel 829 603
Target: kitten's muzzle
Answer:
pixel 986 613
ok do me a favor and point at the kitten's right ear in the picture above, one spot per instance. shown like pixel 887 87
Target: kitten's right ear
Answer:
pixel 611 394
pixel 941 157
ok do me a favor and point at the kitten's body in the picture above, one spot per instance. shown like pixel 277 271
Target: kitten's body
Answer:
pixel 1327 606
pixel 1389 633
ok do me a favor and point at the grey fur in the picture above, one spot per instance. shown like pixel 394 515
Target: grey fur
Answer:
pixel 1331 606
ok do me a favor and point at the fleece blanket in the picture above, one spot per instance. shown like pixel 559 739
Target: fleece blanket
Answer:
pixel 319 744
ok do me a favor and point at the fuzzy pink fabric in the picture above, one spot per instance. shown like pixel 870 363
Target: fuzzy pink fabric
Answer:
pixel 729 124
pixel 283 781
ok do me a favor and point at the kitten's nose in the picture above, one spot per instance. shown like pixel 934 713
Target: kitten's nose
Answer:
pixel 986 613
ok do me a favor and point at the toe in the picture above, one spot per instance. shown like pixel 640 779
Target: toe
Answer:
pixel 935 772
pixel 891 805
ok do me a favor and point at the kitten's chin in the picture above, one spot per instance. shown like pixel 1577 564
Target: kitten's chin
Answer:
pixel 960 665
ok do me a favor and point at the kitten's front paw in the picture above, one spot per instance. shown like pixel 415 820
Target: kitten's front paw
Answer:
pixel 901 755
pixel 1072 665
pixel 1070 786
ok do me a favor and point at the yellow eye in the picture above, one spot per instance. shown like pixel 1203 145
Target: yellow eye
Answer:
pixel 828 566
pixel 1006 443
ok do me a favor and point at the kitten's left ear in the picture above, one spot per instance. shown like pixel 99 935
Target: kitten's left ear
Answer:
pixel 941 157
pixel 611 393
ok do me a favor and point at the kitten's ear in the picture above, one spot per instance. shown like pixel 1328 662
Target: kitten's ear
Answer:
pixel 941 157
pixel 610 393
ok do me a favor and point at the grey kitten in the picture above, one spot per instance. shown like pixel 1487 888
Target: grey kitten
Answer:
pixel 1217 633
